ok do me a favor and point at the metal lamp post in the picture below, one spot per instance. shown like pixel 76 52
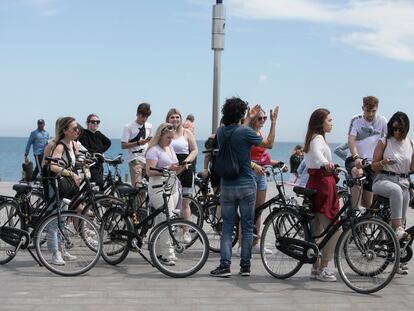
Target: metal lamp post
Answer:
pixel 217 45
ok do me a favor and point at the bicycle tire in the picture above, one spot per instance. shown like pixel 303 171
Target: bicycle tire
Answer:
pixel 372 255
pixel 7 209
pixel 196 211
pixel 115 247
pixel 286 223
pixel 70 239
pixel 187 259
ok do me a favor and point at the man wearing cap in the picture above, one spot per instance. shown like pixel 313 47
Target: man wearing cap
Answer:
pixel 38 138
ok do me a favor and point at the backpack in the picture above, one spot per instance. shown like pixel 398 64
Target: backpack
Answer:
pixel 227 164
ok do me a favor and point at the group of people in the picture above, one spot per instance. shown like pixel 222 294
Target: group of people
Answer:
pixel 371 140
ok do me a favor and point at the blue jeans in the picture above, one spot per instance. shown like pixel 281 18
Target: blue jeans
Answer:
pixel 232 198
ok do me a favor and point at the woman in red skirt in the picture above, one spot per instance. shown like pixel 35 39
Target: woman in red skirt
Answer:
pixel 325 203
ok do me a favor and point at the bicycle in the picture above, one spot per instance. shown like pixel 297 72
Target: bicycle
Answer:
pixel 367 253
pixel 122 231
pixel 210 203
pixel 49 227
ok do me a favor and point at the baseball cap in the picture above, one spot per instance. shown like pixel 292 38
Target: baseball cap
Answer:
pixel 40 121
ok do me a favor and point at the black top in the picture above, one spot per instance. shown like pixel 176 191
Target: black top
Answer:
pixel 95 142
pixel 294 162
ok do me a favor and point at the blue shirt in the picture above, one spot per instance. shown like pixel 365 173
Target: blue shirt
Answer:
pixel 241 141
pixel 39 141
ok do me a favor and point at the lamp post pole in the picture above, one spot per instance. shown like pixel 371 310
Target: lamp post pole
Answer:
pixel 217 45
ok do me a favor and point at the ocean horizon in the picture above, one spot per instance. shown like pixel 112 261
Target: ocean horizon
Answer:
pixel 12 155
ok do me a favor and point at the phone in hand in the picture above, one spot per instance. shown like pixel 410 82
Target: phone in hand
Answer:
pixel 392 161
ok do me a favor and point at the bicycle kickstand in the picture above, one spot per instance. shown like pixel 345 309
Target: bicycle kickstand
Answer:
pixel 135 245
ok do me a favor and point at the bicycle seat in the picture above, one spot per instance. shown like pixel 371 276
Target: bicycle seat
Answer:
pixel 304 191
pixel 128 191
pixel 22 188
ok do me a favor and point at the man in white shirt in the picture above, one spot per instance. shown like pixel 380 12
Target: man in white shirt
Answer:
pixel 135 138
pixel 364 132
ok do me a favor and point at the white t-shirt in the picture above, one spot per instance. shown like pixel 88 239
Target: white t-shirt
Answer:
pixel 367 134
pixel 130 131
pixel 318 154
pixel 401 151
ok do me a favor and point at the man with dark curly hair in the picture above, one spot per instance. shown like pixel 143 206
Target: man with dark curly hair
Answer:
pixel 239 192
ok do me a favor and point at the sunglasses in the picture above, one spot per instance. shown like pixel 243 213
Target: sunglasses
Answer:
pixel 262 118
pixel 74 129
pixel 397 129
pixel 94 121
pixel 168 128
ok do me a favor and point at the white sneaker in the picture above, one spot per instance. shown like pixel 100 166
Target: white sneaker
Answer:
pixel 91 241
pixel 57 259
pixel 326 275
pixel 187 237
pixel 402 269
pixel 400 233
pixel 67 257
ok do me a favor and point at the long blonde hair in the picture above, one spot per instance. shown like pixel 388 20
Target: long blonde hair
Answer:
pixel 161 130
pixel 171 112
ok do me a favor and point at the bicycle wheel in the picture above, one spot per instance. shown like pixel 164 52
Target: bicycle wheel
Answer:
pixel 281 223
pixel 212 218
pixel 180 260
pixel 78 257
pixel 96 211
pixel 9 218
pixel 368 255
pixel 115 244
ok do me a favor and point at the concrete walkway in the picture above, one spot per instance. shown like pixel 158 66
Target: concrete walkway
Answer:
pixel 134 285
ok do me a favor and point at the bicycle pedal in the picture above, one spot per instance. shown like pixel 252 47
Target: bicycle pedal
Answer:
pixel 11 253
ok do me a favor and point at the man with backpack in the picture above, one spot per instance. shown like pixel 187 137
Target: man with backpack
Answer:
pixel 238 185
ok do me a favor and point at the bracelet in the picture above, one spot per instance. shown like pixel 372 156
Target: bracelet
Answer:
pixel 70 173
pixel 206 170
pixel 253 165
pixel 355 156
pixel 381 163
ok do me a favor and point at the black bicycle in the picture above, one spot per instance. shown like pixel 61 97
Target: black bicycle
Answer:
pixel 170 252
pixel 367 253
pixel 49 230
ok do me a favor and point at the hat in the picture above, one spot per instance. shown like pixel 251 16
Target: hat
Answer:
pixel 40 121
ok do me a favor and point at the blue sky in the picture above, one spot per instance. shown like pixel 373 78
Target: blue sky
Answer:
pixel 75 57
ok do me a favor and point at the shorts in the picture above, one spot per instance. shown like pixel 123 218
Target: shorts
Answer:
pixel 350 163
pixel 186 177
pixel 261 182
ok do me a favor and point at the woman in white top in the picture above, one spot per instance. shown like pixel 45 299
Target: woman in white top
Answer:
pixel 185 147
pixel 393 159
pixel 160 154
pixel 325 204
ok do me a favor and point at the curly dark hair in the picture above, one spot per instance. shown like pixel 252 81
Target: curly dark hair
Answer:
pixel 233 110
pixel 402 120
pixel 144 109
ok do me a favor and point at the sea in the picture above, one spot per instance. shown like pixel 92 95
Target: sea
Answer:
pixel 12 156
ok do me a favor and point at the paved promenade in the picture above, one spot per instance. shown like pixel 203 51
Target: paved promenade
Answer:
pixel 134 285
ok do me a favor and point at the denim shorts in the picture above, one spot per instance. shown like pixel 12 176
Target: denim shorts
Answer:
pixel 261 182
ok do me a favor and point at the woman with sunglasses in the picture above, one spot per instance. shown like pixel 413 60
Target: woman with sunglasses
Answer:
pixel 393 159
pixel 160 154
pixel 96 142
pixel 260 157
pixel 65 148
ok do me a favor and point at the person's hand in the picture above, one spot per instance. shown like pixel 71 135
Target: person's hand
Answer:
pixel 285 168
pixel 329 166
pixel 252 112
pixel 273 114
pixel 259 170
pixel 76 179
pixel 175 167
pixel 205 173
pixel 358 163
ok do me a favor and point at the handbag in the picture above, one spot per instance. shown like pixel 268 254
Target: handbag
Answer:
pixel 67 187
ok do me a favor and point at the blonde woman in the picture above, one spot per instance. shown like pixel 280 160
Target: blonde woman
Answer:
pixel 160 154
pixel 185 147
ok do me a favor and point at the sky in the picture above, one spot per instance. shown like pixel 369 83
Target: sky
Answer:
pixel 76 57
